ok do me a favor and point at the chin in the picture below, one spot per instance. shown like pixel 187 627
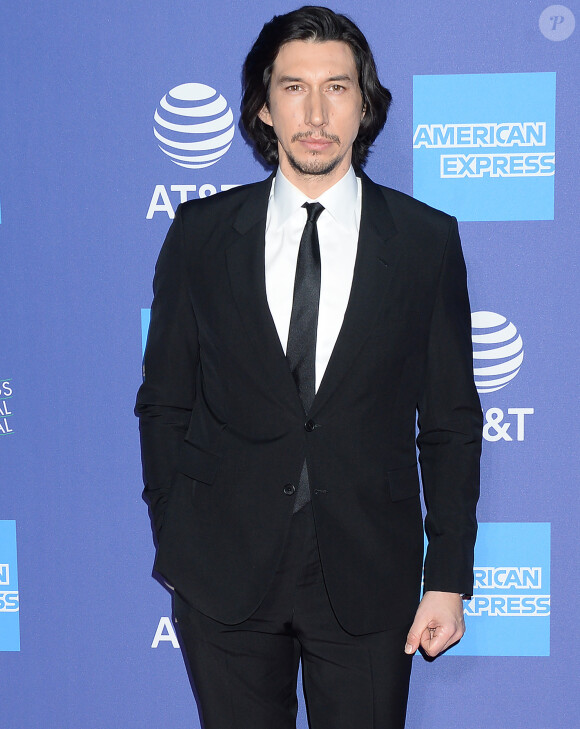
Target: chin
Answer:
pixel 314 165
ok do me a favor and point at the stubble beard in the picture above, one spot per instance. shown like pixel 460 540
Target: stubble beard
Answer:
pixel 315 165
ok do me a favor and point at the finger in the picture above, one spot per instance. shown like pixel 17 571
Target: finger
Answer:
pixel 414 637
pixel 436 640
pixel 432 641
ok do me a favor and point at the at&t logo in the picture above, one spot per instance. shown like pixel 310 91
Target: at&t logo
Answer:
pixel 194 126
pixel 498 353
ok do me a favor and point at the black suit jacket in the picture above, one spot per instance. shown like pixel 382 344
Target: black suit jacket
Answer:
pixel 224 433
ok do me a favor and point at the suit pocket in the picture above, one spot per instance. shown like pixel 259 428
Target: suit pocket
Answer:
pixel 403 483
pixel 197 463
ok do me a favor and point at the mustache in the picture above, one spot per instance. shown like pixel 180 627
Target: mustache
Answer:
pixel 320 135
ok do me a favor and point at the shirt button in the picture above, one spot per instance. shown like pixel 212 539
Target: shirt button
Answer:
pixel 309 426
pixel 289 489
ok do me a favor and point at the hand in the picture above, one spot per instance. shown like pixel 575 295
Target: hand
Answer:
pixel 438 623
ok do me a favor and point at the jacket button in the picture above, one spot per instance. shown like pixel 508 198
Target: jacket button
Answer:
pixel 309 426
pixel 289 489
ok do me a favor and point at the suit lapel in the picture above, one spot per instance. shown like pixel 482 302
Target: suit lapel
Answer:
pixel 246 270
pixel 376 254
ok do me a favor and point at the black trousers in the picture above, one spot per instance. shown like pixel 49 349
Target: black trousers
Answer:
pixel 244 676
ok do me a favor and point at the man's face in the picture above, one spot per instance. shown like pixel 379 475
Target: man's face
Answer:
pixel 315 108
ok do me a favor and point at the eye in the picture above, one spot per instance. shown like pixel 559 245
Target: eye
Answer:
pixel 336 88
pixel 293 87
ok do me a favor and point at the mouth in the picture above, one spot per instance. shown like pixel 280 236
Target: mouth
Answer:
pixel 317 143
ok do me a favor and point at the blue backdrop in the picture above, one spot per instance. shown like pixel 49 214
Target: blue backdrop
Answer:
pixel 485 108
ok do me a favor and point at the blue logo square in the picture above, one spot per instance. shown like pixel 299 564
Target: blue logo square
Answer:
pixel 509 614
pixel 483 144
pixel 9 601
pixel 145 319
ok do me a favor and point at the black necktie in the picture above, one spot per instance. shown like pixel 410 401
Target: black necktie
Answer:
pixel 301 347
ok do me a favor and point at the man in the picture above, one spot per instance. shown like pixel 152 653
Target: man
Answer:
pixel 289 352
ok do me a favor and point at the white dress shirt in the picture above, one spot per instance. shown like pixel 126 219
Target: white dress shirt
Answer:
pixel 338 229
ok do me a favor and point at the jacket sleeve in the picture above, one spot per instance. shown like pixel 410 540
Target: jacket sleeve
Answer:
pixel 450 426
pixel 166 397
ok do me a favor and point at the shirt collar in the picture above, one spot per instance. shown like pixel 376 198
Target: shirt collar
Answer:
pixel 340 200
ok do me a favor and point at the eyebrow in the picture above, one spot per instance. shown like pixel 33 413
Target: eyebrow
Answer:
pixel 297 79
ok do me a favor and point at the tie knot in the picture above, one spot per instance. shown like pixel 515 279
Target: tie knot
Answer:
pixel 313 211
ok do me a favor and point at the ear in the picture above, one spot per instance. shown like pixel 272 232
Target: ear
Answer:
pixel 363 112
pixel 265 116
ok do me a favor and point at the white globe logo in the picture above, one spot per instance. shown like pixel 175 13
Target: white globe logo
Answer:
pixel 498 350
pixel 194 125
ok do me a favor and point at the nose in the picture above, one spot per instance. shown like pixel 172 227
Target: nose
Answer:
pixel 316 113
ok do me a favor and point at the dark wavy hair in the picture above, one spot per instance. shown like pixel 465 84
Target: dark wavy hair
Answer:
pixel 310 23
